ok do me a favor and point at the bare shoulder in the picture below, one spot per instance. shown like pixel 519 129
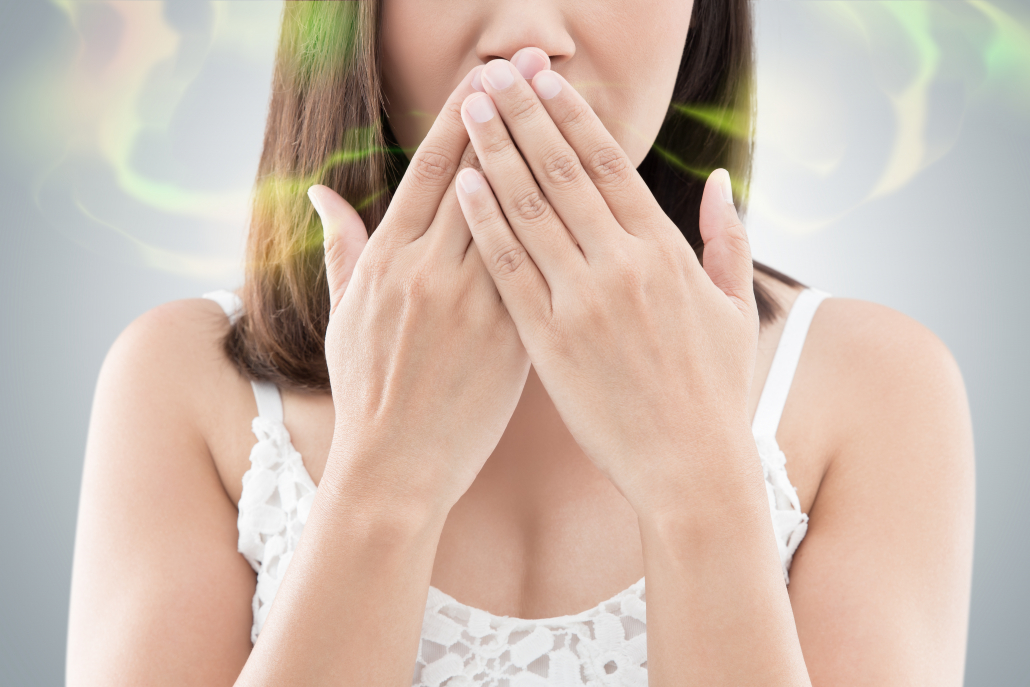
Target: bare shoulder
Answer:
pixel 172 354
pixel 894 501
pixel 171 338
pixel 876 333
pixel 871 383
pixel 172 359
pixel 156 537
pixel 890 368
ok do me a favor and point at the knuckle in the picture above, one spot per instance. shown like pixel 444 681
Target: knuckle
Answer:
pixel 561 167
pixel 374 264
pixel 522 106
pixel 470 159
pixel 573 117
pixel 529 206
pixel 509 262
pixel 556 334
pixel 335 255
pixel 485 215
pixel 415 285
pixel 737 241
pixel 501 147
pixel 432 167
pixel 609 165
pixel 629 275
pixel 452 110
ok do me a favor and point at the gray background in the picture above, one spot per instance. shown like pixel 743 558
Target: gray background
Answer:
pixel 891 166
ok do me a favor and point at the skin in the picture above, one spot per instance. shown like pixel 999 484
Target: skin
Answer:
pixel 429 46
pixel 531 493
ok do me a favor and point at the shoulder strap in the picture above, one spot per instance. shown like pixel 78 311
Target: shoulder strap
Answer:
pixel 269 401
pixel 231 304
pixel 785 362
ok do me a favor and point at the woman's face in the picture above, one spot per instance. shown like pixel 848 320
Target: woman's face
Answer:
pixel 621 55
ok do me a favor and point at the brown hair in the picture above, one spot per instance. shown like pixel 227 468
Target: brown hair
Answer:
pixel 326 125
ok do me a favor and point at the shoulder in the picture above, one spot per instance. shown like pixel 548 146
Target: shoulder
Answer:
pixel 179 328
pixel 894 504
pixel 174 348
pixel 156 534
pixel 897 395
pixel 883 355
pixel 170 367
pixel 885 567
pixel 874 390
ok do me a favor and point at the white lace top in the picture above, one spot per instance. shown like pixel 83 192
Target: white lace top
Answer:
pixel 462 646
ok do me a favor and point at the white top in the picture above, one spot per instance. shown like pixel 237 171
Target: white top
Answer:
pixel 462 646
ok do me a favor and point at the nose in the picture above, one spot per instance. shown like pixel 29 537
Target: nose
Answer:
pixel 511 25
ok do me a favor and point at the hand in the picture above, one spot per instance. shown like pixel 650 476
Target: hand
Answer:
pixel 646 355
pixel 425 364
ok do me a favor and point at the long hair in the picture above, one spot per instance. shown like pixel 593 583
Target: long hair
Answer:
pixel 327 125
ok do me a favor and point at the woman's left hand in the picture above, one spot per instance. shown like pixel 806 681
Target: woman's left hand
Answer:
pixel 647 356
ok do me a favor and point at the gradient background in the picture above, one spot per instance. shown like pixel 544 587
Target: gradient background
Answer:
pixel 891 165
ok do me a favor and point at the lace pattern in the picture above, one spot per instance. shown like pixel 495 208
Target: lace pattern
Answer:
pixel 463 646
pixel 276 499
pixel 789 523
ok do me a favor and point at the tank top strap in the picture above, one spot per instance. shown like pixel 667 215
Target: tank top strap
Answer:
pixel 232 305
pixel 785 362
pixel 269 400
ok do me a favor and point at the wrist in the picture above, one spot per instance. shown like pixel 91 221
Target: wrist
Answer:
pixel 708 477
pixel 363 482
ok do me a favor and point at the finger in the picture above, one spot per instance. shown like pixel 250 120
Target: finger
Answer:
pixel 345 238
pixel 528 213
pixel 727 253
pixel 449 235
pixel 518 280
pixel 557 168
pixel 431 169
pixel 613 173
pixel 528 61
pixel 477 266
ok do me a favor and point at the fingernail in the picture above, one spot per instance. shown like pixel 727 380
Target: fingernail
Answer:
pixel 470 180
pixel 726 186
pixel 481 108
pixel 547 85
pixel 477 78
pixel 313 197
pixel 529 61
pixel 498 73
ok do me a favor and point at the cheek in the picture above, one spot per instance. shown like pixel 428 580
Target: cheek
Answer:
pixel 421 61
pixel 636 88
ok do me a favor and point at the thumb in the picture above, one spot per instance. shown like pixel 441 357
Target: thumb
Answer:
pixel 727 253
pixel 344 238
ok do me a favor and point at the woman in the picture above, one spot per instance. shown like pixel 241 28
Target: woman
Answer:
pixel 548 374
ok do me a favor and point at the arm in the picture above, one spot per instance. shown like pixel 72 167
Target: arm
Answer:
pixel 160 595
pixel 611 278
pixel 158 590
pixel 880 586
pixel 349 611
pixel 426 369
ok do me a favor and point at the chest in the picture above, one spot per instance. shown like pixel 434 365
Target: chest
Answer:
pixel 542 533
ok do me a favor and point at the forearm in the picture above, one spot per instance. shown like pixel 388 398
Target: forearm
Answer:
pixel 349 610
pixel 717 608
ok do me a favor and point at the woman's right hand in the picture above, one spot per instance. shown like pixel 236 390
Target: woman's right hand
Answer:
pixel 425 364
